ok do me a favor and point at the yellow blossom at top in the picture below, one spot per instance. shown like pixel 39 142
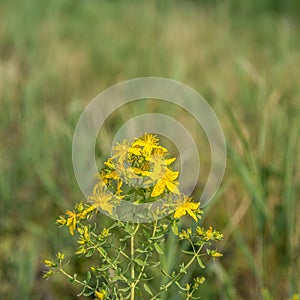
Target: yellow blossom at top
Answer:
pixel 148 142
pixel 187 206
pixel 143 163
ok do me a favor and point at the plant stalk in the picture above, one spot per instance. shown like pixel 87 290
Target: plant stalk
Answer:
pixel 132 266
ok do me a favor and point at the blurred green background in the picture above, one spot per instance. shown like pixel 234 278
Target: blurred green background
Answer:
pixel 242 56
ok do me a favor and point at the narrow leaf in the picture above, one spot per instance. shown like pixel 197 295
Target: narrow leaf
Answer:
pixel 202 266
pixel 158 249
pixel 147 289
pixel 139 262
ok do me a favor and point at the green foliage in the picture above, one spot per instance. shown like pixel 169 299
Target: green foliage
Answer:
pixel 125 266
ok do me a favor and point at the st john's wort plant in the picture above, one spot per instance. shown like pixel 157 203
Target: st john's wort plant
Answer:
pixel 138 172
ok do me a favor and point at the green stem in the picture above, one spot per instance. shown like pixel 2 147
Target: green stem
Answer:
pixel 132 262
pixel 146 258
pixel 179 274
pixel 74 279
pixel 132 266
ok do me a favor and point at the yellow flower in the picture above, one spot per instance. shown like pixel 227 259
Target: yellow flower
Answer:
pixel 100 295
pixel 119 185
pixel 109 163
pixel 160 151
pixel 85 212
pixel 62 220
pixel 105 232
pixel 135 150
pixel 85 235
pixel 138 171
pixel 160 160
pixel 120 151
pixel 186 206
pixel 200 231
pixel 209 234
pixel 148 142
pixel 102 201
pixel 198 281
pixel 214 253
pixel 60 256
pixel 101 198
pixel 185 234
pixel 71 222
pixel 49 263
pixel 167 180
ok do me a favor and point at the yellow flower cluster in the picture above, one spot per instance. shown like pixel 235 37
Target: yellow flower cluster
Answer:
pixel 143 161
pixel 142 167
pixel 71 218
pixel 209 234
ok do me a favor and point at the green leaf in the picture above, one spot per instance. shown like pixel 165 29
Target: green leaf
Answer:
pixel 126 289
pixel 147 289
pixel 157 237
pixel 73 278
pixel 103 268
pixel 126 237
pixel 165 273
pixel 188 252
pixel 140 262
pixel 131 191
pixel 154 264
pixel 88 276
pixel 140 192
pixel 87 294
pixel 139 250
pixel 90 252
pixel 82 291
pixel 158 249
pixel 128 228
pixel 146 234
pixel 200 243
pixel 200 263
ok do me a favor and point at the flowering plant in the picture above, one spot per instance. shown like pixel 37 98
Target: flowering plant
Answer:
pixel 139 172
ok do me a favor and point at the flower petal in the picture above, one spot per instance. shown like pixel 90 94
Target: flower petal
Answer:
pixel 192 214
pixel 172 187
pixel 158 188
pixel 180 211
